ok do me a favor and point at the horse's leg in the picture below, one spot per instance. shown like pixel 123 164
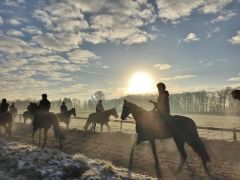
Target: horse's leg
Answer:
pixel 33 132
pixel 131 157
pixel 101 127
pixel 45 137
pixel 94 127
pixel 153 145
pixel 108 127
pixel 39 137
pixel 180 146
pixel 158 171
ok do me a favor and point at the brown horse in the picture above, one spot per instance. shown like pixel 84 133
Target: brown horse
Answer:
pixel 66 118
pixel 101 118
pixel 45 120
pixel 150 126
pixel 6 120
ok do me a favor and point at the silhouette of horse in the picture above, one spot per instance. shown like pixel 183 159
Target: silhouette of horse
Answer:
pixel 66 118
pixel 6 120
pixel 45 120
pixel 149 127
pixel 100 118
pixel 27 115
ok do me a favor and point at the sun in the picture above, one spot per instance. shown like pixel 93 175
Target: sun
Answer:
pixel 140 83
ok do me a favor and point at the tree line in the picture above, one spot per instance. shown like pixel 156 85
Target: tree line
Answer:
pixel 217 102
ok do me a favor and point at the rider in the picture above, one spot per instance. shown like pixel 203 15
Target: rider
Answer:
pixel 99 106
pixel 162 104
pixel 12 108
pixel 44 104
pixel 63 109
pixel 4 106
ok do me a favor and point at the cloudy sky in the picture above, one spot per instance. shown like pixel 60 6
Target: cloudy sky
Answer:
pixel 75 47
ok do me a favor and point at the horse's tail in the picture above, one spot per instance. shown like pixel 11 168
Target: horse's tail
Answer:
pixel 88 122
pixel 58 133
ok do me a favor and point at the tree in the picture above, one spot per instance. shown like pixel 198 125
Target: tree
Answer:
pixel 99 95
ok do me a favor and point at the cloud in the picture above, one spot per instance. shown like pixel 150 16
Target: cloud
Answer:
pixel 105 67
pixel 174 10
pixel 16 33
pixel 178 77
pixel 1 20
pixel 59 41
pixel 235 40
pixel 235 79
pixel 13 22
pixel 162 66
pixel 225 16
pixel 14 3
pixel 191 37
pixel 81 56
pixel 32 30
pixel 215 30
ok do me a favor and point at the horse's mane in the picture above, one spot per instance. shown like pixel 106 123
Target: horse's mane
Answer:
pixel 135 106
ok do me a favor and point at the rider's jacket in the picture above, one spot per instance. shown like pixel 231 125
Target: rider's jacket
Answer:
pixel 44 105
pixel 63 109
pixel 99 107
pixel 163 104
pixel 4 107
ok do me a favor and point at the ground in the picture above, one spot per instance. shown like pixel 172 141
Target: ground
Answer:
pixel 115 147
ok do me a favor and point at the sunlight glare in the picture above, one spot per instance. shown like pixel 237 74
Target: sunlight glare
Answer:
pixel 140 83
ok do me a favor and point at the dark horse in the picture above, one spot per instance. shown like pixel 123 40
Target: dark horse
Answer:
pixel 45 120
pixel 6 120
pixel 149 126
pixel 27 115
pixel 66 118
pixel 101 118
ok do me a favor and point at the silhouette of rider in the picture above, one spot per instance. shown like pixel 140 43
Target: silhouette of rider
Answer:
pixel 162 104
pixel 63 109
pixel 99 107
pixel 4 106
pixel 44 104
pixel 12 108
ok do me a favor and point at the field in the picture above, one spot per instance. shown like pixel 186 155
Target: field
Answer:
pixel 115 147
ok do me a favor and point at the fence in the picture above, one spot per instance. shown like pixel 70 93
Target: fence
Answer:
pixel 233 130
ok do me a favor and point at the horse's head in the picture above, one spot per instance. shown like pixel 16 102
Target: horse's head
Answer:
pixel 114 112
pixel 32 107
pixel 236 94
pixel 73 111
pixel 125 110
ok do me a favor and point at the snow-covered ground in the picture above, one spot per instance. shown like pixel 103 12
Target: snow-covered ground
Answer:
pixel 24 161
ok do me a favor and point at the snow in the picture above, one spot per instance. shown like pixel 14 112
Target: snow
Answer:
pixel 24 161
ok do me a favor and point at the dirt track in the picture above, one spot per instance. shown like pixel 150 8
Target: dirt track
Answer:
pixel 115 147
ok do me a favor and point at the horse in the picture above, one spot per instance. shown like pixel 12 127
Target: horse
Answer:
pixel 6 120
pixel 66 118
pixel 150 126
pixel 45 120
pixel 101 118
pixel 14 112
pixel 27 115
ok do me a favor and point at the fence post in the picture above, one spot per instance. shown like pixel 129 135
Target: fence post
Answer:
pixel 234 134
pixel 121 126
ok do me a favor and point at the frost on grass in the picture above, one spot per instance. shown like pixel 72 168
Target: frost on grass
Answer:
pixel 22 161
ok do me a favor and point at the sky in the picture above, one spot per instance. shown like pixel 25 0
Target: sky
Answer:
pixel 73 48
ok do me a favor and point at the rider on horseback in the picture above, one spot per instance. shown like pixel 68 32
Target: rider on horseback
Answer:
pixel 12 108
pixel 44 104
pixel 162 106
pixel 4 106
pixel 64 109
pixel 99 107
